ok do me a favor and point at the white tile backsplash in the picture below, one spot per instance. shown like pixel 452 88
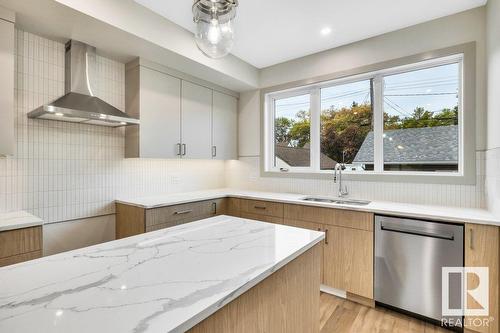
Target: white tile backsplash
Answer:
pixel 64 171
pixel 245 174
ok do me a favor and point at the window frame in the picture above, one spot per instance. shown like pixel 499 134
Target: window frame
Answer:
pixel 464 55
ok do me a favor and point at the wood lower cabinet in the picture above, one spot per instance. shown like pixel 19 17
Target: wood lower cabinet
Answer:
pixel 482 249
pixel 310 226
pixel 20 245
pixel 132 220
pixel 233 207
pixel 348 260
pixel 347 249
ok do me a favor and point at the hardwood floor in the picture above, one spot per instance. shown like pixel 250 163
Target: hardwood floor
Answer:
pixel 342 316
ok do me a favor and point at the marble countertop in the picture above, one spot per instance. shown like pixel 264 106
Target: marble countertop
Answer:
pixel 163 281
pixel 18 220
pixel 438 213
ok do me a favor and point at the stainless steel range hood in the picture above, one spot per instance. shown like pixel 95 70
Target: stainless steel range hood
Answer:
pixel 79 104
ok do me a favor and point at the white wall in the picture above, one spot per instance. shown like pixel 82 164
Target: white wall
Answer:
pixel 249 123
pixel 448 31
pixel 493 143
pixel 63 171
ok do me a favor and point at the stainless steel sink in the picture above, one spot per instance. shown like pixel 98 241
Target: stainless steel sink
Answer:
pixel 338 201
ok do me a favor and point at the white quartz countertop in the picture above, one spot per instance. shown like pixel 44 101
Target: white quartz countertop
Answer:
pixel 18 220
pixel 163 281
pixel 438 213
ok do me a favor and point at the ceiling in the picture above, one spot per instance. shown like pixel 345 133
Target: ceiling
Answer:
pixel 273 31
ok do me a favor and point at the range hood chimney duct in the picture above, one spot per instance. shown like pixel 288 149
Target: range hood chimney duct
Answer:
pixel 79 104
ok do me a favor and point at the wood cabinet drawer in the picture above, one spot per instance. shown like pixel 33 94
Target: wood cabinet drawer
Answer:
pixel 309 214
pixel 260 207
pixel 179 212
pixel 20 258
pixel 20 241
pixel 330 216
pixel 304 225
pixel 264 218
pixel 163 226
pixel 352 219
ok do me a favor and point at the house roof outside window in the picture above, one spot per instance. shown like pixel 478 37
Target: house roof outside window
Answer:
pixel 300 157
pixel 426 145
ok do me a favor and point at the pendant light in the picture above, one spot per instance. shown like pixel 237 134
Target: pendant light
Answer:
pixel 214 26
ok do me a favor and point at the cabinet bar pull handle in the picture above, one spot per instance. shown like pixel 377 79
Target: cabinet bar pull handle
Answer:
pixel 214 207
pixel 183 212
pixel 326 236
pixel 214 151
pixel 259 207
pixel 471 239
pixel 178 149
pixel 184 149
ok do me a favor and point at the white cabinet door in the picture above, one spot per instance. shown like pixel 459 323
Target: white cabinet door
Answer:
pixel 6 88
pixel 160 114
pixel 225 127
pixel 196 121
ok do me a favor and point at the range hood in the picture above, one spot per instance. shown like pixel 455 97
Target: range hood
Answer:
pixel 79 104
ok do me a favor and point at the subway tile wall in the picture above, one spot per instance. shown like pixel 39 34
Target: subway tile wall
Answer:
pixel 245 173
pixel 63 171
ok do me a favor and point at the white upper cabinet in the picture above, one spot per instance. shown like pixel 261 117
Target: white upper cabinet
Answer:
pixel 6 83
pixel 161 128
pixel 178 118
pixel 155 98
pixel 196 121
pixel 224 124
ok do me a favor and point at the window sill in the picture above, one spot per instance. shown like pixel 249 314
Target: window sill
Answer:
pixel 394 177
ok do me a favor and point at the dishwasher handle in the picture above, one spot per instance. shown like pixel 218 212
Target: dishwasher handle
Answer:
pixel 393 228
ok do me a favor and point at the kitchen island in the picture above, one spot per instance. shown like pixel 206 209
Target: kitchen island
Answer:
pixel 221 274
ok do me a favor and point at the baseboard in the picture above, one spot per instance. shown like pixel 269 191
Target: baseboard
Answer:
pixel 361 300
pixel 332 291
pixel 347 295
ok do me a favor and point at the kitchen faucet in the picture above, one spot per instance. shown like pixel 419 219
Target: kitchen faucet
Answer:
pixel 342 191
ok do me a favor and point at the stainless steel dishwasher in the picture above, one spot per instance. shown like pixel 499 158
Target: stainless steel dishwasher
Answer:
pixel 409 255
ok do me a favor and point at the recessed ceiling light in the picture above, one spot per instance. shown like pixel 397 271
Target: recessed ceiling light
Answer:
pixel 326 31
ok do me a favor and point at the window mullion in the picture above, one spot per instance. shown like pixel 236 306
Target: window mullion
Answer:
pixel 378 123
pixel 315 129
pixel 270 142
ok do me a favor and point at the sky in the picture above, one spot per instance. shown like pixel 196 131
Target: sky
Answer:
pixel 434 89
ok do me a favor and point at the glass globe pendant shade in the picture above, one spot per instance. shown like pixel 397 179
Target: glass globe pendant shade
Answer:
pixel 214 26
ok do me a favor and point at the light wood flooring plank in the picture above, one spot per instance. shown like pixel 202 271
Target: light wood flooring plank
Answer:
pixel 343 316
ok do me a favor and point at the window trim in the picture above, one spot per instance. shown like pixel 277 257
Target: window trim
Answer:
pixel 463 54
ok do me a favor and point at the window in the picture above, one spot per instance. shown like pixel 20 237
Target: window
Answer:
pixel 346 120
pixel 421 119
pixel 292 132
pixel 401 119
